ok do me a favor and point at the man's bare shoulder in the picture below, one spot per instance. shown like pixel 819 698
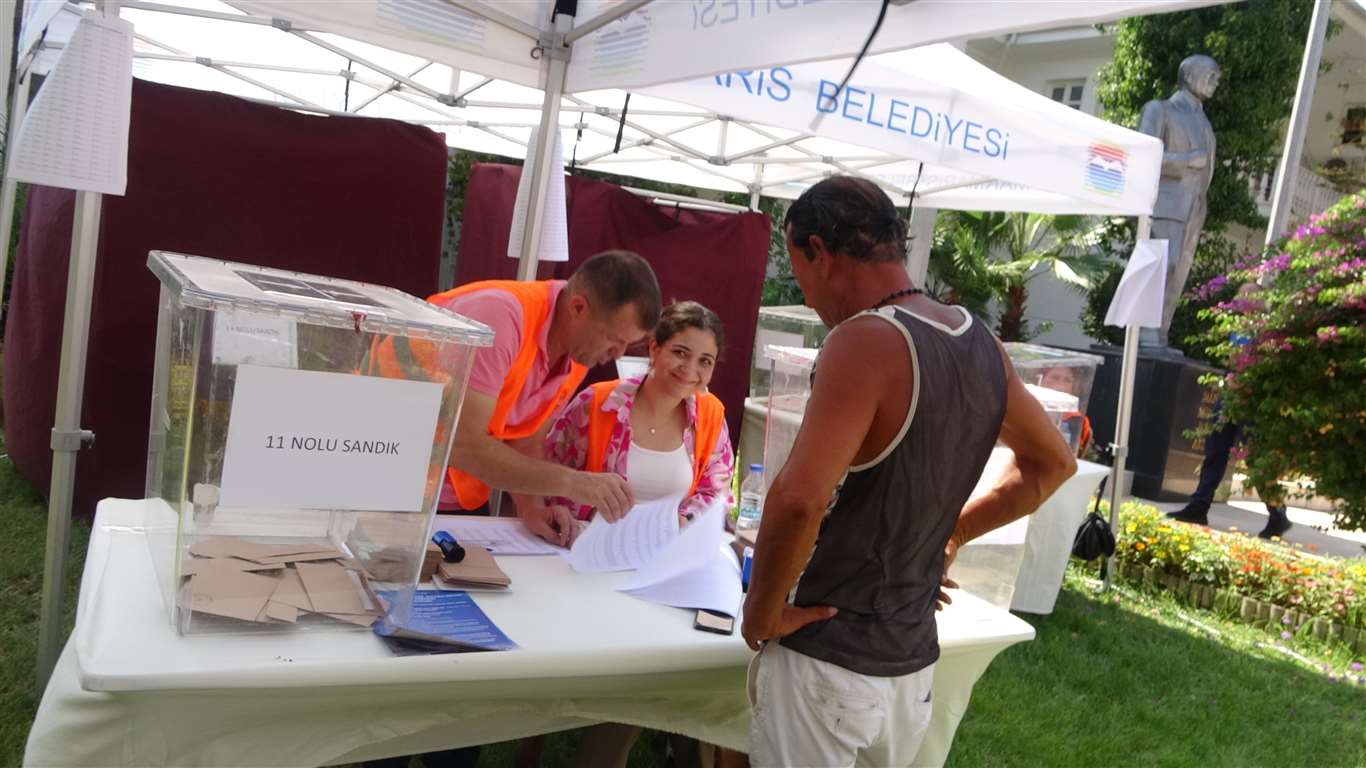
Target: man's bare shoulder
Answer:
pixel 859 347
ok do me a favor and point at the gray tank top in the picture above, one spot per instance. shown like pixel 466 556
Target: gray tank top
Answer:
pixel 880 552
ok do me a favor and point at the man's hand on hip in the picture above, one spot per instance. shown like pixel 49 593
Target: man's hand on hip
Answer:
pixel 758 631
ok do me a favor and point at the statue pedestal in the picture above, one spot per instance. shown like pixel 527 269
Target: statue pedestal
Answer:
pixel 1168 400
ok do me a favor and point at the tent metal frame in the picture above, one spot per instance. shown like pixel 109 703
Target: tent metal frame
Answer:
pixel 553 49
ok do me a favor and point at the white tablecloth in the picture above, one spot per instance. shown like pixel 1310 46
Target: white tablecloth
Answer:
pixel 129 691
pixel 1051 528
pixel 1048 545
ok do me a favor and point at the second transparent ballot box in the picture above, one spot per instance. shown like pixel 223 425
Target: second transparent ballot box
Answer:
pixel 1060 379
pixel 300 430
pixel 789 389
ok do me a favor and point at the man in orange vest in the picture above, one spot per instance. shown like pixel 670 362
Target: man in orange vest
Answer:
pixel 546 336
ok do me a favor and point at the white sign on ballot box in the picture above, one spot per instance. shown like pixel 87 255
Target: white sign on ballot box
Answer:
pixel 309 439
pixel 243 339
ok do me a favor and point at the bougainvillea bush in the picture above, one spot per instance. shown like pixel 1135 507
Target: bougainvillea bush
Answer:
pixel 1294 344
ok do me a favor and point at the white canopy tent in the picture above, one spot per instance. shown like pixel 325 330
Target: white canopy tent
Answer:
pixel 1057 159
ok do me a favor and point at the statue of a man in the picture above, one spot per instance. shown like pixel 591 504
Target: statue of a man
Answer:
pixel 1187 165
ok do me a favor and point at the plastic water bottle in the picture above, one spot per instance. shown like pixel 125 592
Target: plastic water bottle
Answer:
pixel 751 499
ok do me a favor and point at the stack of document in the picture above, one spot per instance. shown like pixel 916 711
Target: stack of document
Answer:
pixel 689 568
pixel 477 570
pixel 499 535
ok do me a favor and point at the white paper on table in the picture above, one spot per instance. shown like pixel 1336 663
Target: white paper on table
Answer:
pixel 629 543
pixel 695 570
pixel 75 134
pixel 240 338
pixel 1138 299
pixel 499 535
pixel 712 586
pixel 554 244
pixel 308 439
pixel 694 546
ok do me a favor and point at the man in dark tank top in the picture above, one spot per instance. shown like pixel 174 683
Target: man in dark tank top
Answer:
pixel 908 398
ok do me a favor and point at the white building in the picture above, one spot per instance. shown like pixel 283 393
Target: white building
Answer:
pixel 1065 64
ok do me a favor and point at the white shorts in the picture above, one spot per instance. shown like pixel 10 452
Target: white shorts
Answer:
pixel 813 714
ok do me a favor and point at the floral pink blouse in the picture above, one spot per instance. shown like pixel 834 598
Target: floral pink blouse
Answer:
pixel 567 444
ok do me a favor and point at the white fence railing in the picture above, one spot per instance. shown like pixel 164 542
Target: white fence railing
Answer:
pixel 1312 194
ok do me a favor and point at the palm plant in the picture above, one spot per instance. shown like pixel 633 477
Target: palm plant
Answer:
pixel 981 257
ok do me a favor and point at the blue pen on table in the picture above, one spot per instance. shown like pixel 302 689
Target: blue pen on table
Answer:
pixel 451 551
pixel 745 568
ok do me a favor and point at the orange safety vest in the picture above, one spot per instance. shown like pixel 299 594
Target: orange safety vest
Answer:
pixel 711 415
pixel 393 356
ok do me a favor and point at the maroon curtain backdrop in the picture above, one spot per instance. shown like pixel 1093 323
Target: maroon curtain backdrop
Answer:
pixel 217 176
pixel 717 259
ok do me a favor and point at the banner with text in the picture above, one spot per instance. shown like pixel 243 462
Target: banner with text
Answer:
pixel 967 124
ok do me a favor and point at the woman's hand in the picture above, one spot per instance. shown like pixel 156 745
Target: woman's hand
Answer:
pixel 555 524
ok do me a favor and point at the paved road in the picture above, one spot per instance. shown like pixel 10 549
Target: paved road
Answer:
pixel 1312 530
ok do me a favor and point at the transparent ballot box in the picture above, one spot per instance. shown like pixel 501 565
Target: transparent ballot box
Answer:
pixel 792 326
pixel 300 428
pixel 1061 381
pixel 789 377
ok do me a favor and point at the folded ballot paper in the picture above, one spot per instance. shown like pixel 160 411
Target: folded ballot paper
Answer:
pixel 689 568
pixel 250 581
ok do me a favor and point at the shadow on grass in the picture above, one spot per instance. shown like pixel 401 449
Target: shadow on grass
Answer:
pixel 1106 683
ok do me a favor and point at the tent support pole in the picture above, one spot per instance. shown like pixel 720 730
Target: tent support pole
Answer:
pixel 11 187
pixel 1299 122
pixel 756 187
pixel 546 135
pixel 1124 410
pixel 921 236
pixel 67 435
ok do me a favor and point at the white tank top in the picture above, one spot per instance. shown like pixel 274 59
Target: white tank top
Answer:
pixel 655 475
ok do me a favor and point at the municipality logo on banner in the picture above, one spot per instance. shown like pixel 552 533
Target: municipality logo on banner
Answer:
pixel 1105 166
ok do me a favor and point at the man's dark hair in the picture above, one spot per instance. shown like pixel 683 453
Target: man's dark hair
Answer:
pixel 613 279
pixel 852 216
pixel 681 315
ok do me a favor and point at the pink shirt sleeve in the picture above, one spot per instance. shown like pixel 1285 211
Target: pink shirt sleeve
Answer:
pixel 503 315
pixel 715 480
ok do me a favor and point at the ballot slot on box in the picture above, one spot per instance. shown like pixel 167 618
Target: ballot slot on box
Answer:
pixel 300 428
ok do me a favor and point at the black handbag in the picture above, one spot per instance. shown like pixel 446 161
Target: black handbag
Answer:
pixel 1094 537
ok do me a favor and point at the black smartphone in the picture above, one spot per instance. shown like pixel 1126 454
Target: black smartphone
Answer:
pixel 714 621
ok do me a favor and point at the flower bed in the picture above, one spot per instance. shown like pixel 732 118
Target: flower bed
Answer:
pixel 1263 582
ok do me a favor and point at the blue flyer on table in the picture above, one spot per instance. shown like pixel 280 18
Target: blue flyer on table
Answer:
pixel 446 617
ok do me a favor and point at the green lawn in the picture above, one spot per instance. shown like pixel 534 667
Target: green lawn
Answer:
pixel 23 533
pixel 1141 680
pixel 1126 679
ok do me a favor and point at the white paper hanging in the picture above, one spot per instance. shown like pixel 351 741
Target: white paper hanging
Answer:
pixel 75 135
pixel 1138 299
pixel 554 243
